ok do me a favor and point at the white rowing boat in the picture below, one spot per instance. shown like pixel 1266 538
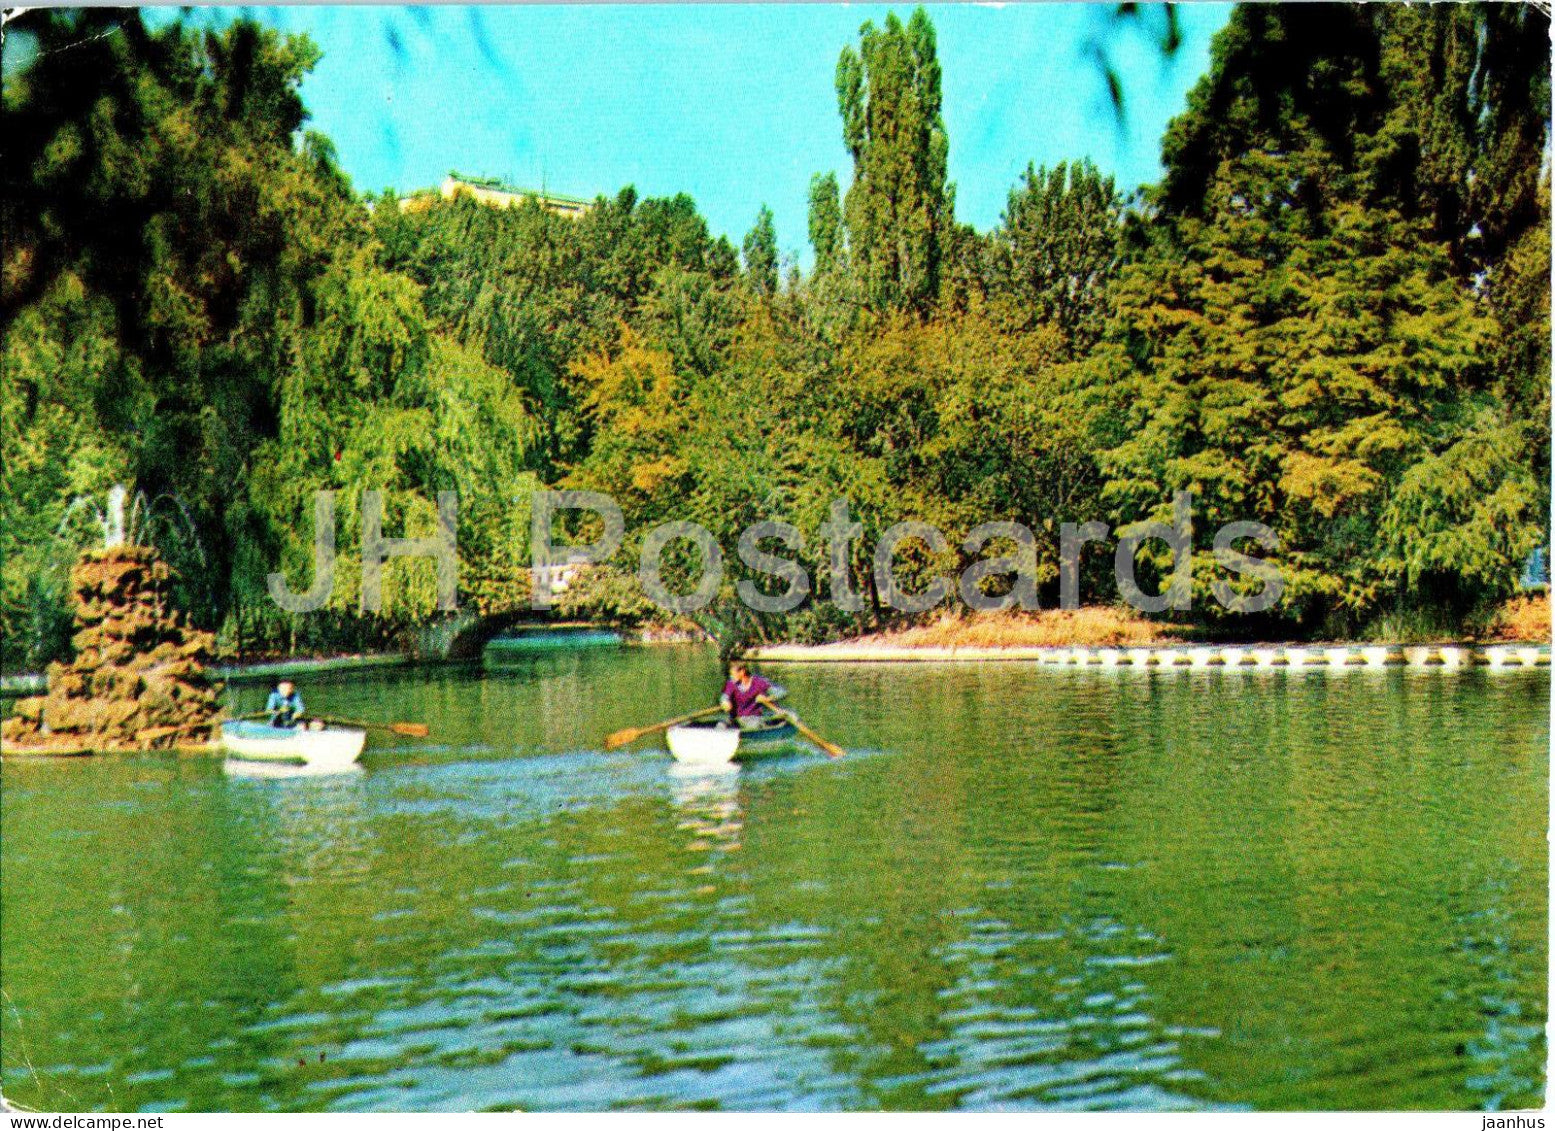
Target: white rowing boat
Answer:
pixel 713 743
pixel 329 748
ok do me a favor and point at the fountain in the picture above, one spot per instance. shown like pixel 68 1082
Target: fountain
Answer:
pixel 138 680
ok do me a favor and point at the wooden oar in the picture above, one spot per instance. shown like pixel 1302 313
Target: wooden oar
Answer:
pixel 831 749
pixel 632 734
pixel 409 730
pixel 156 734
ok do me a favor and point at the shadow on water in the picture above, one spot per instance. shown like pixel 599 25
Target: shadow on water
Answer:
pixel 1023 888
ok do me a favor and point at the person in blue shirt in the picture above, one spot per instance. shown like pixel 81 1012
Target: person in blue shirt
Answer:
pixel 284 705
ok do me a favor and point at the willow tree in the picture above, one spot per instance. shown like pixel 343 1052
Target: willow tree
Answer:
pixel 166 220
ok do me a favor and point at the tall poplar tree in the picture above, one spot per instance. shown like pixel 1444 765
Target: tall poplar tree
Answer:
pixel 898 209
pixel 825 221
pixel 761 254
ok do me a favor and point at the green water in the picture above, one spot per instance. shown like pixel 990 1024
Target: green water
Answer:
pixel 1025 887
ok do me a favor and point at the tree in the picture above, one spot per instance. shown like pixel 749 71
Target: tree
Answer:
pixel 195 306
pixel 158 180
pixel 761 254
pixel 1057 250
pixel 897 208
pixel 1518 295
pixel 1297 345
pixel 1439 111
pixel 1332 315
pixel 825 222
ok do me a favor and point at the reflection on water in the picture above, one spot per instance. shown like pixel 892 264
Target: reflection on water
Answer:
pixel 1023 888
pixel 253 768
pixel 708 798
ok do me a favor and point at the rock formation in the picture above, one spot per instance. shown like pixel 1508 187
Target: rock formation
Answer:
pixel 138 680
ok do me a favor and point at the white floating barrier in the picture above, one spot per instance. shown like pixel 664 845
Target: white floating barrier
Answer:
pixel 1194 656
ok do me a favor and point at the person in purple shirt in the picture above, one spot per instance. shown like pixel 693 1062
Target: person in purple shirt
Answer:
pixel 743 690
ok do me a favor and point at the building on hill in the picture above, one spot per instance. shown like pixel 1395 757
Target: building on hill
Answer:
pixel 497 193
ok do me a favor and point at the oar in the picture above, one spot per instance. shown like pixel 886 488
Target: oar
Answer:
pixel 409 730
pixel 632 734
pixel 831 749
pixel 156 734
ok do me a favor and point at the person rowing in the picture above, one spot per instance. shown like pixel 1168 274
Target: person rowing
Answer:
pixel 742 694
pixel 284 705
pixel 285 708
pixel 742 704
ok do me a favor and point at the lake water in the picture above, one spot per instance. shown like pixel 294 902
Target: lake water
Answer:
pixel 1024 887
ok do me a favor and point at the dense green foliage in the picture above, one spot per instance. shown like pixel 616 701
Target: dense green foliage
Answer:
pixel 1331 316
pixel 1310 332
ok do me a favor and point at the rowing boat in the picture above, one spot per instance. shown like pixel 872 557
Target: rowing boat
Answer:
pixel 329 748
pixel 705 742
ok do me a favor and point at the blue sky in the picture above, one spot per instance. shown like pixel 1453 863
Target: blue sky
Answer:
pixel 733 104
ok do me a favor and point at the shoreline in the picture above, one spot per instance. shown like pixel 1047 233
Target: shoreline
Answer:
pixel 1501 654
pixel 32 683
pixel 1174 655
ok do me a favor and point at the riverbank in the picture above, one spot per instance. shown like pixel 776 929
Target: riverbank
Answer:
pixel 1521 620
pixel 526 639
pixel 1102 637
pixel 1517 636
pixel 1250 656
pixel 32 683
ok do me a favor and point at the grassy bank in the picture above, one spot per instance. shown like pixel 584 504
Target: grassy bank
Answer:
pixel 1099 626
pixel 1524 619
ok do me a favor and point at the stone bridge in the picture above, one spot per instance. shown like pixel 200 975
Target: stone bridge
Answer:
pixel 464 635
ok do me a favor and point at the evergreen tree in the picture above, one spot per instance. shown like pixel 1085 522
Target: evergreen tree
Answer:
pixel 1299 342
pixel 1440 111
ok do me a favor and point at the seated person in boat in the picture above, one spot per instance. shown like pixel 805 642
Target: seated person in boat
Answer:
pixel 284 705
pixel 741 693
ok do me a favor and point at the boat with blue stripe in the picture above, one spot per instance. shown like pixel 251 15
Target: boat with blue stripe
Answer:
pixel 718 740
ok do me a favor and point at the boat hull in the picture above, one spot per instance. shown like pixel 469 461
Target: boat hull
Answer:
pixel 711 744
pixel 330 748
